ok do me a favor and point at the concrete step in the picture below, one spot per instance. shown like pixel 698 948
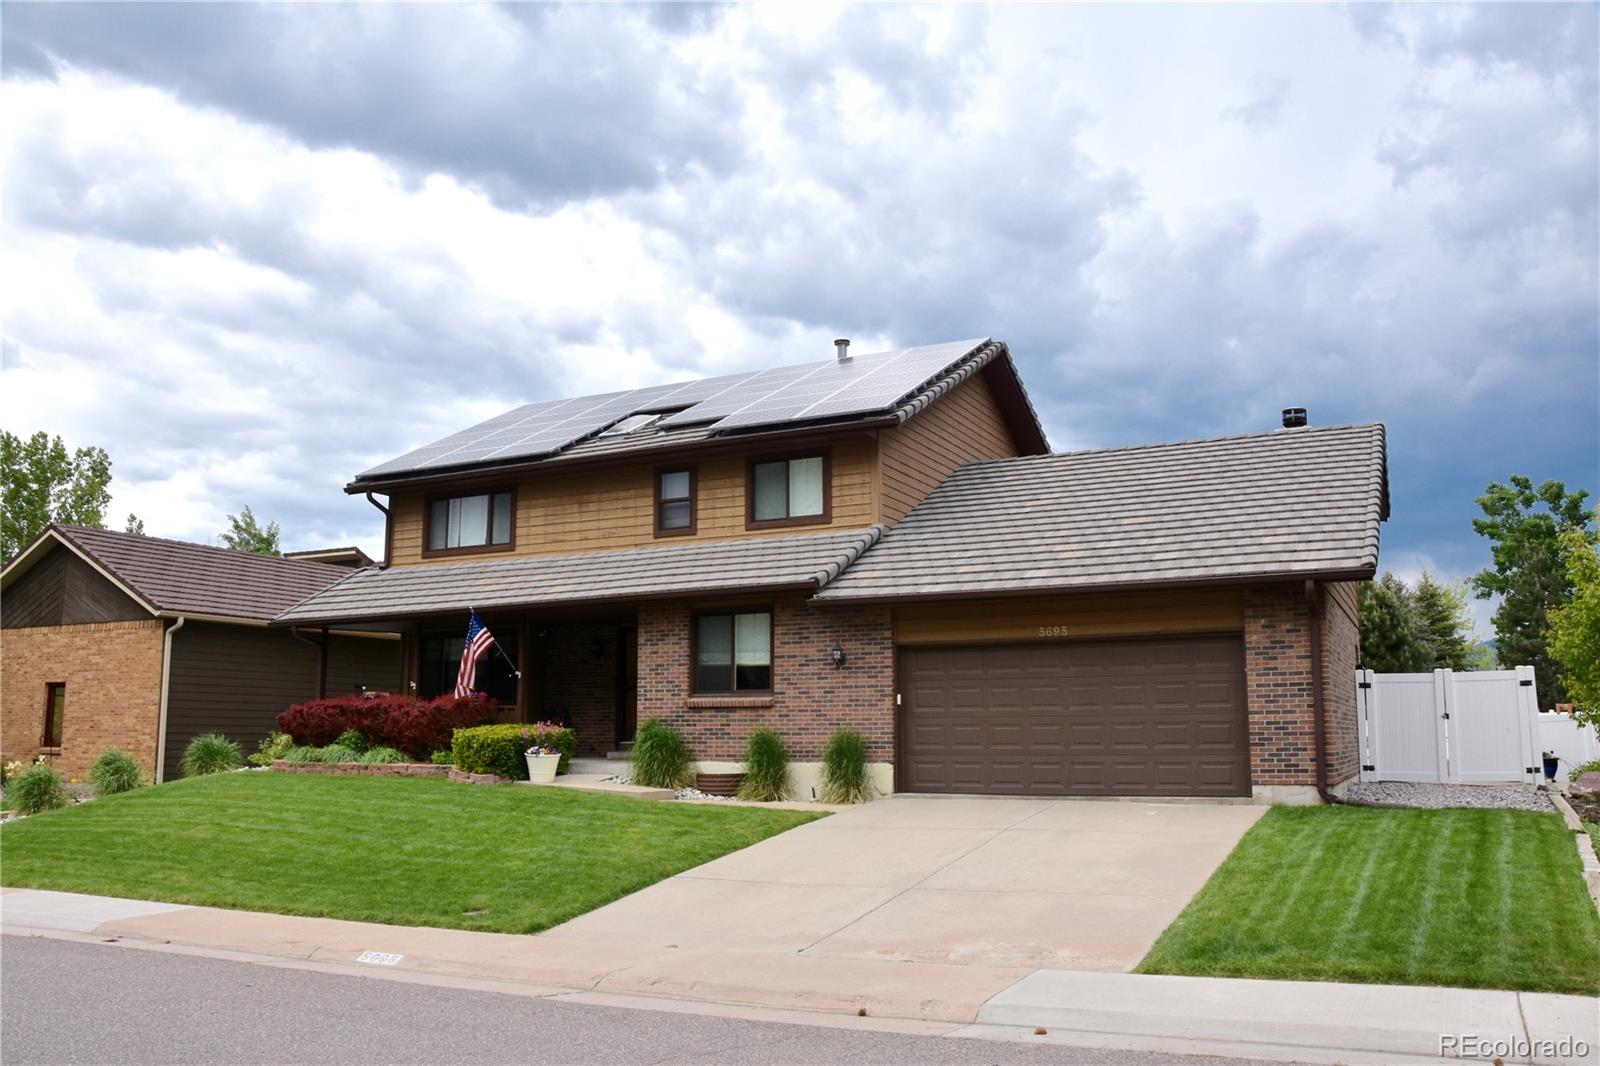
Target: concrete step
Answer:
pixel 625 754
pixel 592 765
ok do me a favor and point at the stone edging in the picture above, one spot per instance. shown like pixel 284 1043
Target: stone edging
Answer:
pixel 478 779
pixel 356 769
pixel 1586 852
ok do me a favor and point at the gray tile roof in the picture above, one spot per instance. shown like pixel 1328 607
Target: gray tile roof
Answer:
pixel 1291 503
pixel 178 577
pixel 750 563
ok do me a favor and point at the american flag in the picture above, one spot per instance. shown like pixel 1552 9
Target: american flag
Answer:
pixel 478 641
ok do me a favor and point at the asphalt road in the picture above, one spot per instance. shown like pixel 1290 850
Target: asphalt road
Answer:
pixel 72 1002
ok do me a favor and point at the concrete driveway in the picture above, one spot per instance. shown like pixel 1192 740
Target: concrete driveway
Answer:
pixel 995 882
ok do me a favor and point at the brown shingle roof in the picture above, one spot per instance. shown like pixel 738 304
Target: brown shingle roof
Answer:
pixel 178 577
pixel 750 563
pixel 1301 502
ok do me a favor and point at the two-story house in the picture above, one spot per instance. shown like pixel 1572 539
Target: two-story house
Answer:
pixel 884 542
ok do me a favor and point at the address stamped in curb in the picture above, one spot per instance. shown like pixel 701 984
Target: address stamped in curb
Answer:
pixel 378 958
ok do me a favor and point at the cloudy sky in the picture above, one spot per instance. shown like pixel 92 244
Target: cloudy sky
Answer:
pixel 253 250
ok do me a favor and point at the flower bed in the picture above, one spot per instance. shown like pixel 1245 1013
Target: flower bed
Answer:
pixel 356 769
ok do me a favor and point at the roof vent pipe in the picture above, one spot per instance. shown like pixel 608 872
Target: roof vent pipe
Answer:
pixel 1294 417
pixel 842 348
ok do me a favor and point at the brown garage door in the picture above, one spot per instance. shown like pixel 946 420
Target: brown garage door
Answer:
pixel 1157 717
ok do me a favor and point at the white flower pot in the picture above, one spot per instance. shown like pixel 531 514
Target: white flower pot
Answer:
pixel 542 768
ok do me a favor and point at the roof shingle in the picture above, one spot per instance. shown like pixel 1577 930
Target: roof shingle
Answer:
pixel 808 561
pixel 1302 502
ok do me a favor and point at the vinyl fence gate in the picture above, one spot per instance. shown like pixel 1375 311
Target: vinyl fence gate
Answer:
pixel 1478 727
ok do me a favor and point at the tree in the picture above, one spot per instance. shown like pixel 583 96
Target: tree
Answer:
pixel 1525 525
pixel 1391 638
pixel 1575 627
pixel 42 483
pixel 245 534
pixel 1444 623
pixel 135 525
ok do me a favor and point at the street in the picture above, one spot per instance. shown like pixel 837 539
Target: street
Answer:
pixel 71 1002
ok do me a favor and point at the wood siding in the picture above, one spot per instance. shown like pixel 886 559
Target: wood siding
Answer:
pixel 63 590
pixel 357 661
pixel 960 427
pixel 1071 617
pixel 233 680
pixel 601 509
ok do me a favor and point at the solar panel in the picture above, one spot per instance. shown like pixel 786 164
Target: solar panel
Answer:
pixel 823 389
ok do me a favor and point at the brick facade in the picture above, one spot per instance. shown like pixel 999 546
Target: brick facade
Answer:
pixel 1279 683
pixel 112 671
pixel 811 698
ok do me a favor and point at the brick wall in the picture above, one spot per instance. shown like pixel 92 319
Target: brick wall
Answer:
pixel 1341 652
pixel 578 682
pixel 811 698
pixel 112 672
pixel 1278 683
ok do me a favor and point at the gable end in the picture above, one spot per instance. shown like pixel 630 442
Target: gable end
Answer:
pixel 63 590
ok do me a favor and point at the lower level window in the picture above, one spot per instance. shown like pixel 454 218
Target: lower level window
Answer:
pixel 55 710
pixel 733 652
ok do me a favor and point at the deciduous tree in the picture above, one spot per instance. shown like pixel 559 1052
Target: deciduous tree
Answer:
pixel 246 534
pixel 1575 626
pixel 44 483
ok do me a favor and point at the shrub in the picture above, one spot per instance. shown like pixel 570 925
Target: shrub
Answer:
pixel 336 753
pixel 382 757
pixel 766 768
pixel 275 746
pixel 499 749
pixel 211 753
pixel 38 788
pixel 416 727
pixel 660 757
pixel 300 753
pixel 844 769
pixel 115 771
pixel 352 739
pixel 443 758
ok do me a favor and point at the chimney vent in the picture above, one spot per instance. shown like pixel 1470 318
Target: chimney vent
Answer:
pixel 841 347
pixel 1294 417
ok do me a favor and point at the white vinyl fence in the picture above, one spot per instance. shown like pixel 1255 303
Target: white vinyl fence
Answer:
pixel 1463 728
pixel 1570 742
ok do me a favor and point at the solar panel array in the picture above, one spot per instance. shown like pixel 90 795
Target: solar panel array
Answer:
pixel 828 389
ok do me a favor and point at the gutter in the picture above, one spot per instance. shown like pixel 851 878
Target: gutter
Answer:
pixel 847 599
pixel 1318 709
pixel 166 690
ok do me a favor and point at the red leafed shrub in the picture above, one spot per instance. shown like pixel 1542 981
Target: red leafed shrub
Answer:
pixel 416 727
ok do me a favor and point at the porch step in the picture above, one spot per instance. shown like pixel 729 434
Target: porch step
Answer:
pixel 598 783
pixel 603 767
pixel 624 755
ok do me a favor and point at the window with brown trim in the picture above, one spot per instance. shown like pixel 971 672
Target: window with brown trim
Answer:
pixel 480 522
pixel 793 490
pixel 675 501
pixel 733 652
pixel 55 710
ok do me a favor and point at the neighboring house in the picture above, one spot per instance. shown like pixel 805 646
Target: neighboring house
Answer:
pixel 351 556
pixel 882 543
pixel 121 640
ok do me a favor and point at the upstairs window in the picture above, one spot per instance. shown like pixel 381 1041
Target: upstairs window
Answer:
pixel 733 652
pixel 789 491
pixel 468 523
pixel 55 711
pixel 674 502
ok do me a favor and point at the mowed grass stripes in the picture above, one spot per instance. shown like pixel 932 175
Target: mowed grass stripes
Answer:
pixel 407 851
pixel 1472 898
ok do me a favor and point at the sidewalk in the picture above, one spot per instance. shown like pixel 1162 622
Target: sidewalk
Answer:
pixel 1291 1021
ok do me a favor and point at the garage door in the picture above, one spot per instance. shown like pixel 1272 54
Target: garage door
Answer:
pixel 1157 717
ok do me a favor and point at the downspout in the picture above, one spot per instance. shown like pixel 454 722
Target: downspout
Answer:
pixel 387 529
pixel 1318 709
pixel 322 658
pixel 166 690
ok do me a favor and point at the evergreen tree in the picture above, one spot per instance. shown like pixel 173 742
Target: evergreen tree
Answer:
pixel 1391 638
pixel 1526 524
pixel 1444 622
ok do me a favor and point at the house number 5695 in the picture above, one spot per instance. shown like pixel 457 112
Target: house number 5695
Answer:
pixel 1052 631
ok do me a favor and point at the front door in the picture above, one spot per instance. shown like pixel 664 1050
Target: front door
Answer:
pixel 627 685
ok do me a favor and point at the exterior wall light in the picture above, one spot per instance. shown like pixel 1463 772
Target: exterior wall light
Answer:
pixel 838 657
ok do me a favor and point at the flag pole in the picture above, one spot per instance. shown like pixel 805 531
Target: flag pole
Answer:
pixel 471 610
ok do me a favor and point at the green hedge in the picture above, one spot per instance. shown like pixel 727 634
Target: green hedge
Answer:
pixel 500 749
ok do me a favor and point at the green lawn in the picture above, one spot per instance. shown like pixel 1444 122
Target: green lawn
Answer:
pixel 404 851
pixel 1476 898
